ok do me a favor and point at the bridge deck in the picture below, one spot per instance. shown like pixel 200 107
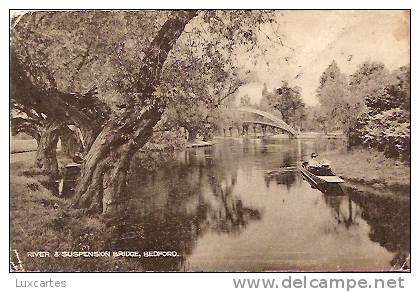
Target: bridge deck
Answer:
pixel 265 124
pixel 277 122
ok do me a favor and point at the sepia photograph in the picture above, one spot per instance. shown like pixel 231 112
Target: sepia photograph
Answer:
pixel 210 140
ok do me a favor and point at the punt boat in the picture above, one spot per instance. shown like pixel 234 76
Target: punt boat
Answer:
pixel 319 176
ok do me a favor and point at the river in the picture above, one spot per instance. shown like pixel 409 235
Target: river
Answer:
pixel 226 208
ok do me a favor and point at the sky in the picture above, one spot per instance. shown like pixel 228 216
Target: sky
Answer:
pixel 312 39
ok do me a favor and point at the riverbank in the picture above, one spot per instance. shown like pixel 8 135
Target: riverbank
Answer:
pixel 40 221
pixel 301 135
pixel 318 135
pixel 371 169
pixel 198 143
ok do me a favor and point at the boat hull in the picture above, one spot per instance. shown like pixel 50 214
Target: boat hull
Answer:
pixel 326 184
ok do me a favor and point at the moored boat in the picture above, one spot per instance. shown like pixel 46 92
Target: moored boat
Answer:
pixel 322 175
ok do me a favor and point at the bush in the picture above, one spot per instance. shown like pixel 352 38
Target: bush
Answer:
pixel 385 126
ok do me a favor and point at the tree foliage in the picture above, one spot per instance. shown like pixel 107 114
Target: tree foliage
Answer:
pixel 199 94
pixel 287 101
pixel 372 106
pixel 290 104
pixel 338 104
pixel 119 76
pixel 385 125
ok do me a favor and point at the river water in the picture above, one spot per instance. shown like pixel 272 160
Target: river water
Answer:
pixel 227 208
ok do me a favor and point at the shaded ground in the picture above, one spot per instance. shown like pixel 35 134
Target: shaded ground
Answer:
pixel 42 222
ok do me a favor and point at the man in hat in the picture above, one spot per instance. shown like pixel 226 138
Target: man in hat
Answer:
pixel 313 163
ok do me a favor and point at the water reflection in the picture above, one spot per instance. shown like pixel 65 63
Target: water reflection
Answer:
pixel 229 208
pixel 194 196
pixel 286 178
pixel 344 210
pixel 389 221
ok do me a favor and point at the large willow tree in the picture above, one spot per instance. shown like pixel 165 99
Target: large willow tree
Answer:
pixel 131 58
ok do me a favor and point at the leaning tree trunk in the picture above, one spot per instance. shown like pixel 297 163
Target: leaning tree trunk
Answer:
pixel 102 187
pixel 104 179
pixel 46 154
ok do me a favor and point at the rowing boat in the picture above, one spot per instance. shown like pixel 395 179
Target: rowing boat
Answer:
pixel 322 176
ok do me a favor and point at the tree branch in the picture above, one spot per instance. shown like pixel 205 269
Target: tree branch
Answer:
pixel 27 126
pixel 84 110
pixel 157 53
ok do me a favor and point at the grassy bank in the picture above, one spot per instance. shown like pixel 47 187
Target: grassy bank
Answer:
pixel 41 221
pixel 18 145
pixel 371 169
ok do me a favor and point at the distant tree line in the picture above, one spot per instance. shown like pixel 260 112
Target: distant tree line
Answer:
pixel 371 106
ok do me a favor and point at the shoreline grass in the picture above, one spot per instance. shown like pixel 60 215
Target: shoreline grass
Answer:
pixel 369 168
pixel 41 221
